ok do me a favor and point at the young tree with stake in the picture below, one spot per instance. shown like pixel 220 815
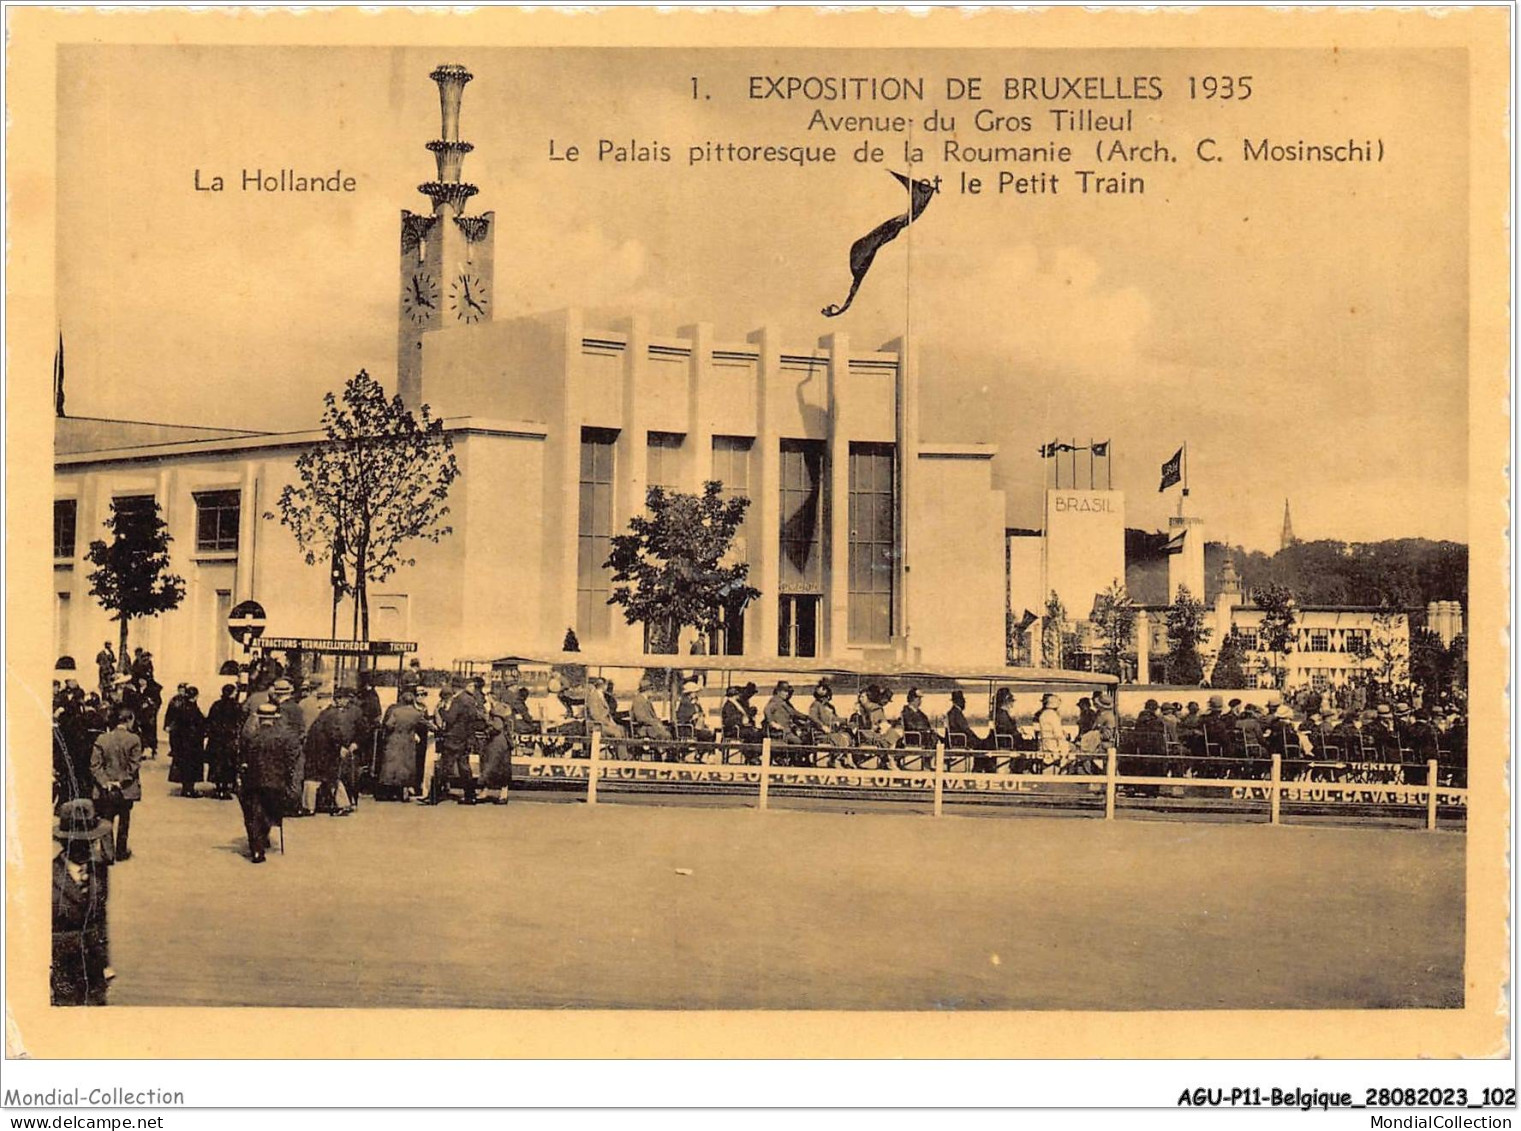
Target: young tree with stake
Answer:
pixel 379 479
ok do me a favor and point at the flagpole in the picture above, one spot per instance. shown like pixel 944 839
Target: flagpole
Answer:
pixel 1090 464
pixel 1184 495
pixel 1109 465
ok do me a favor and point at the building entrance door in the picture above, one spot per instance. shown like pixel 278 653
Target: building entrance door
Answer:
pixel 797 625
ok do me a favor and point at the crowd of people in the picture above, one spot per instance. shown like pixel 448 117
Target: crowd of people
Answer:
pixel 291 747
pixel 1227 737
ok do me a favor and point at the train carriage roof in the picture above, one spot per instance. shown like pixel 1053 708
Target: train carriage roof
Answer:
pixel 1032 678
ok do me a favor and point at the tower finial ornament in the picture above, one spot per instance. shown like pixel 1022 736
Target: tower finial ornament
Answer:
pixel 446 269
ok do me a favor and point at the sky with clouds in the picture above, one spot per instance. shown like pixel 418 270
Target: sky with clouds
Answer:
pixel 1303 327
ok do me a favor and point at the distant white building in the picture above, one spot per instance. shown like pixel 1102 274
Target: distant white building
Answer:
pixel 1331 642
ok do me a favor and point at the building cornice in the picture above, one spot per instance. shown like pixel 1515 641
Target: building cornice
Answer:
pixel 275 441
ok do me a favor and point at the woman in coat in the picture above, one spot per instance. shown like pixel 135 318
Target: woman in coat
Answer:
pixel 224 722
pixel 187 744
pixel 404 730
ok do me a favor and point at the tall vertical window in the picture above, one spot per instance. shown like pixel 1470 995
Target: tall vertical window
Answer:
pixel 65 518
pixel 731 467
pixel 216 520
pixel 664 466
pixel 871 543
pixel 802 498
pixel 800 572
pixel 594 540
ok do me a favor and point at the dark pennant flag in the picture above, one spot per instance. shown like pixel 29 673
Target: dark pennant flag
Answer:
pixel 58 377
pixel 1172 470
pixel 1101 449
pixel 864 250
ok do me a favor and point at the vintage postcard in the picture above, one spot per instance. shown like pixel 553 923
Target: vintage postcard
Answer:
pixel 758 534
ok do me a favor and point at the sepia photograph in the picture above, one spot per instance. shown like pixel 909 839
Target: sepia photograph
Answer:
pixel 922 526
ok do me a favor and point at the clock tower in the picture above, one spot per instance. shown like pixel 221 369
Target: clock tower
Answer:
pixel 446 256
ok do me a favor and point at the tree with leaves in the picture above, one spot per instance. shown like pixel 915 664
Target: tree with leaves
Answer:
pixel 1186 631
pixel 1275 635
pixel 1388 653
pixel 1230 664
pixel 669 571
pixel 1113 620
pixel 378 480
pixel 131 577
pixel 1053 631
pixel 1431 664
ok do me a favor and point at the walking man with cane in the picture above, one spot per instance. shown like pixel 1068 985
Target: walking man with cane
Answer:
pixel 268 755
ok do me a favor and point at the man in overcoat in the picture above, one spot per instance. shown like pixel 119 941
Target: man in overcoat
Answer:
pixel 268 755
pixel 115 761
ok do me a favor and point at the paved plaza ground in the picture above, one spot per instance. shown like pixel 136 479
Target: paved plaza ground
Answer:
pixel 549 904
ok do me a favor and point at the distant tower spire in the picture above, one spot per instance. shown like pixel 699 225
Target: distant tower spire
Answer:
pixel 1288 528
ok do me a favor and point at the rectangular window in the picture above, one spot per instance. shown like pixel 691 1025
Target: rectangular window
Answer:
pixel 801 569
pixel 65 517
pixel 594 541
pixel 731 467
pixel 729 640
pixel 664 467
pixel 1357 641
pixel 1320 679
pixel 871 543
pixel 1320 640
pixel 217 515
pixel 129 503
pixel 797 625
pixel 1248 638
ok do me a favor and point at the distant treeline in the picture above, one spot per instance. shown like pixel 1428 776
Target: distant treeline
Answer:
pixel 1405 573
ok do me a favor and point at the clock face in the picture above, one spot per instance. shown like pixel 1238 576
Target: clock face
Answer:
pixel 419 297
pixel 467 297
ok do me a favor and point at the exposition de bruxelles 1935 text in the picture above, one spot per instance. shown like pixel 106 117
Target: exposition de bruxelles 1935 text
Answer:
pixel 996 136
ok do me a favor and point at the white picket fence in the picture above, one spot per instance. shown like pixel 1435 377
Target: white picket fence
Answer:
pixel 935 779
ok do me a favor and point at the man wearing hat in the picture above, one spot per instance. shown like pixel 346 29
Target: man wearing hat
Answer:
pixel 784 722
pixel 267 758
pixel 1216 727
pixel 1386 739
pixel 224 722
pixel 738 714
pixel 459 723
pixel 1249 728
pixel 333 736
pixel 81 969
pixel 956 724
pixel 115 761
pixel 315 698
pixel 689 710
pixel 642 717
pixel 105 664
